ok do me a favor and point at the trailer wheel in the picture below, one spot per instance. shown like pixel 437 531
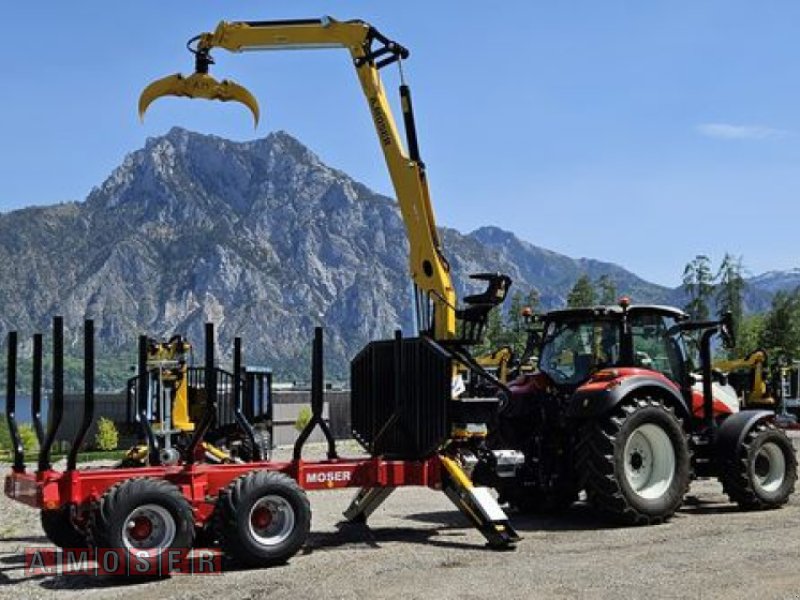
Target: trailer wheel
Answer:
pixel 262 518
pixel 143 514
pixel 263 446
pixel 635 464
pixel 60 530
pixel 763 473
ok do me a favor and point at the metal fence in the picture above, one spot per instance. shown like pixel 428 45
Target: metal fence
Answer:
pixel 287 406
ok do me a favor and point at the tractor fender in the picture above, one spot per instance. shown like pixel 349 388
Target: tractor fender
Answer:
pixel 592 401
pixel 732 431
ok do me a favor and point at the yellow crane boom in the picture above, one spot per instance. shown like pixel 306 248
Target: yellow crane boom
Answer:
pixel 370 51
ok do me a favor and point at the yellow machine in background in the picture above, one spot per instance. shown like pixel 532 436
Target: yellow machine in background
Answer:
pixel 169 360
pixel 174 405
pixel 503 362
pixel 749 377
pixel 497 362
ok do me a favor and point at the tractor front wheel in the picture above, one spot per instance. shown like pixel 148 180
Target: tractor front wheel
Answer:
pixel 763 473
pixel 635 464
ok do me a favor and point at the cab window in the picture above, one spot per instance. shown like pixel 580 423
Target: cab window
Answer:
pixel 653 346
pixel 571 351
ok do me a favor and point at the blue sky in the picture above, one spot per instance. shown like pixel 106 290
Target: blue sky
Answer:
pixel 639 133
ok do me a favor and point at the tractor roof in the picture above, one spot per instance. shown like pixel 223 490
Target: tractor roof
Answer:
pixel 613 312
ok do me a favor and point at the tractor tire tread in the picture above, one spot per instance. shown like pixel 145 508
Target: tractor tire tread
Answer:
pixel 596 464
pixel 736 483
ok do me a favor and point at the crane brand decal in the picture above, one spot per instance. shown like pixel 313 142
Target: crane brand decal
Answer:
pixel 329 477
pixel 380 122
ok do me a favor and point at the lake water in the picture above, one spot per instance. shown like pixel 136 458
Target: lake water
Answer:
pixel 23 407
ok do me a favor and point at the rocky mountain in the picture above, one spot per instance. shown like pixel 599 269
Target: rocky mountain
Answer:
pixel 261 238
pixel 774 281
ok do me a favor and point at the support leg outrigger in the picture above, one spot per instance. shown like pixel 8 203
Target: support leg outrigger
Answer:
pixel 476 503
pixel 479 506
pixel 367 500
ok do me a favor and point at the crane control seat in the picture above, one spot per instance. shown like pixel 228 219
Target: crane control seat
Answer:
pixel 474 314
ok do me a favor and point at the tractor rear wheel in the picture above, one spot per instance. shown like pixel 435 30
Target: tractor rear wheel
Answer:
pixel 763 473
pixel 262 518
pixel 60 530
pixel 635 464
pixel 143 515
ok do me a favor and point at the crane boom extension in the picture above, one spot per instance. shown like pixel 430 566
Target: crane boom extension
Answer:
pixel 370 51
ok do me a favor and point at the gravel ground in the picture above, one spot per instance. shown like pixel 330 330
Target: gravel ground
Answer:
pixel 418 546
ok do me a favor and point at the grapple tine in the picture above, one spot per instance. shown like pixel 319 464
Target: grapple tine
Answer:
pixel 167 86
pixel 198 85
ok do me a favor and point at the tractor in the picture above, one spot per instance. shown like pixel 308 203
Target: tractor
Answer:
pixel 618 409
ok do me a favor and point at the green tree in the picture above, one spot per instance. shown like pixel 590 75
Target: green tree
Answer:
pixel 27 436
pixel 495 333
pixel 516 326
pixel 303 418
pixel 748 338
pixel 698 284
pixel 781 333
pixel 514 319
pixel 107 436
pixel 582 293
pixel 730 290
pixel 607 290
pixel 5 435
pixel 532 299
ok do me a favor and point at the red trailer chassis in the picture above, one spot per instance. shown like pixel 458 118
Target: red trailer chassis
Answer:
pixel 201 483
pixel 257 511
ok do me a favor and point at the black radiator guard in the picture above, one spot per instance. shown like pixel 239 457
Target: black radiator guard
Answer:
pixel 400 397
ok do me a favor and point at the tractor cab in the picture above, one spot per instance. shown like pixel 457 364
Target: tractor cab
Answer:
pixel 578 343
pixel 587 346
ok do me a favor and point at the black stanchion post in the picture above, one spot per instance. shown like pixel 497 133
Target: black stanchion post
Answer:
pixel 57 397
pixel 11 404
pixel 36 388
pixel 88 394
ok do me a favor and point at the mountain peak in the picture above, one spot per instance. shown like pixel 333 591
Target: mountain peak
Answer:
pixel 188 167
pixel 490 234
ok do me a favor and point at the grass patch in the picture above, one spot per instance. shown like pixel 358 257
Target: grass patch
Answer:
pixel 5 457
pixel 94 455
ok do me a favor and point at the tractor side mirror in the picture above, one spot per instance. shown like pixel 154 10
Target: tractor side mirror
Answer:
pixel 496 289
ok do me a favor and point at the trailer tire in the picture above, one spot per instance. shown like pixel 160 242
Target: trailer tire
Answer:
pixel 262 518
pixel 763 473
pixel 143 514
pixel 635 463
pixel 60 530
pixel 263 445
